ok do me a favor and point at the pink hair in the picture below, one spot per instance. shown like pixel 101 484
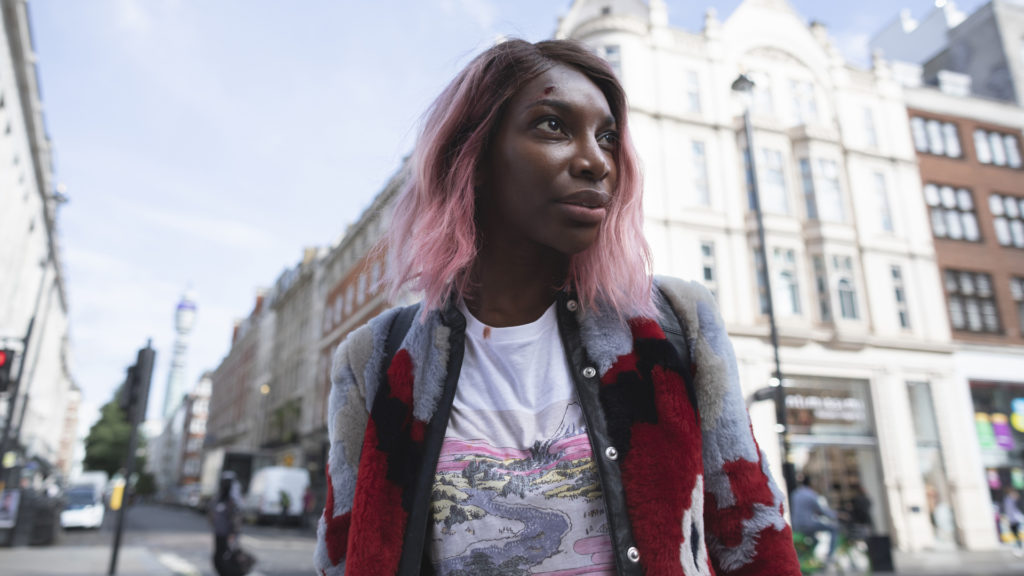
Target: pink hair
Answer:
pixel 432 241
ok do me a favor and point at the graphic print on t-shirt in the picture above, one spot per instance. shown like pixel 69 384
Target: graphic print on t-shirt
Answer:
pixel 539 510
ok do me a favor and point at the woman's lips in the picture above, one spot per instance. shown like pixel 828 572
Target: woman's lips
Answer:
pixel 585 206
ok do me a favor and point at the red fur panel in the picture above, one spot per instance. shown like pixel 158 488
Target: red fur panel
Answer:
pixel 669 449
pixel 774 555
pixel 646 329
pixel 336 533
pixel 749 486
pixel 377 514
pixel 418 431
pixel 400 377
pixel 623 364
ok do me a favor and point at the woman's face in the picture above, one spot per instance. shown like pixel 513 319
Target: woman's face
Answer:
pixel 550 171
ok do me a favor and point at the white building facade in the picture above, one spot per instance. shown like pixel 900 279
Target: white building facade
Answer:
pixel 866 356
pixel 32 284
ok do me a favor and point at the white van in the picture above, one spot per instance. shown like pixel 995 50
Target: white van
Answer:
pixel 264 499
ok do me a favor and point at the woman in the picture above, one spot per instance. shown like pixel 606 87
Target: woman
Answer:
pixel 535 417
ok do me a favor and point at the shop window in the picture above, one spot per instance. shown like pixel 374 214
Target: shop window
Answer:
pixel 699 165
pixel 930 462
pixel 882 202
pixel 692 92
pixel 997 148
pixel 1017 292
pixel 709 268
pixel 1007 219
pixel 788 299
pixel 972 303
pixel 952 213
pixel 999 426
pixel 846 288
pixel 821 287
pixel 900 296
pixel 934 137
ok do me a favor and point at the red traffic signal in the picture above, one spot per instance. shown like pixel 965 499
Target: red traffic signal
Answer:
pixel 6 360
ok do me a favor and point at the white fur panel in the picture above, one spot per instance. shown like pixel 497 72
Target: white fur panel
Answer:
pixel 694 518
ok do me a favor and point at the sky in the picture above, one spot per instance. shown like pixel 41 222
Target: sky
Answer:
pixel 204 144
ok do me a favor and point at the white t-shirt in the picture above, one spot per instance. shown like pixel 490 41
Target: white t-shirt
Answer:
pixel 516 489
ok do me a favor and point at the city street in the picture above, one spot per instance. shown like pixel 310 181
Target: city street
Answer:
pixel 181 540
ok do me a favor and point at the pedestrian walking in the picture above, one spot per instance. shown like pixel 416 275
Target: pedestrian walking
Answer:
pixel 548 405
pixel 1013 514
pixel 812 515
pixel 228 557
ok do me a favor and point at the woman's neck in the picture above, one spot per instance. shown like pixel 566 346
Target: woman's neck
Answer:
pixel 514 285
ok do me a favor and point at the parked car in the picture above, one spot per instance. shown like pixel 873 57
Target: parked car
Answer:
pixel 270 489
pixel 84 508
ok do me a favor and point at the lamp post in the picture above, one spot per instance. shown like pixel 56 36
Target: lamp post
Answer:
pixel 744 86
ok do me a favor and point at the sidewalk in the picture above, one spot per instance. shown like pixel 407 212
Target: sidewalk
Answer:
pixel 1001 562
pixel 79 561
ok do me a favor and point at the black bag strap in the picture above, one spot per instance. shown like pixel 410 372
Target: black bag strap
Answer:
pixel 675 332
pixel 400 325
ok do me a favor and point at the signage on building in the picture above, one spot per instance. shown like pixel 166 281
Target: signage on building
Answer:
pixel 827 411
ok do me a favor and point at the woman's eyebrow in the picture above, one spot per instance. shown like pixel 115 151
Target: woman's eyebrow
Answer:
pixel 566 107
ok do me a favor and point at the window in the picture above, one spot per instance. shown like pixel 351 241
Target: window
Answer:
pixel 764 102
pixel 805 107
pixel 613 56
pixel 1017 291
pixel 934 137
pixel 870 133
pixel 996 148
pixel 900 294
pixel 762 288
pixel 1008 219
pixel 952 212
pixel 882 202
pixel 846 288
pixel 772 182
pixel 699 163
pixel 361 289
pixel 972 304
pixel 197 426
pixel 824 200
pixel 709 269
pixel 349 298
pixel 692 92
pixel 788 298
pixel 821 286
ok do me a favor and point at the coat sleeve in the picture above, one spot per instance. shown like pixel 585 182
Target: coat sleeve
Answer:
pixel 744 525
pixel 354 378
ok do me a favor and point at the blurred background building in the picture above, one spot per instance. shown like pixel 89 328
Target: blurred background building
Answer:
pixel 35 416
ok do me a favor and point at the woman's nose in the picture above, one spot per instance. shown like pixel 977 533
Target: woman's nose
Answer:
pixel 591 161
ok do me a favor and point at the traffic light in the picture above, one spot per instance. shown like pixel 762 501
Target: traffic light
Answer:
pixel 6 361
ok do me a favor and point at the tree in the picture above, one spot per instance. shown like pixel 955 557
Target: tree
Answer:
pixel 107 443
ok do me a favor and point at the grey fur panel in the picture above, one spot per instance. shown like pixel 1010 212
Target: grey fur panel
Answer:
pixel 373 369
pixel 428 344
pixel 605 336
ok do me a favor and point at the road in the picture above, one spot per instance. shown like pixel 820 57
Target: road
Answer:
pixel 182 540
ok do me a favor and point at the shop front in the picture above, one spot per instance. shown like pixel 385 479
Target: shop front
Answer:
pixel 833 445
pixel 999 421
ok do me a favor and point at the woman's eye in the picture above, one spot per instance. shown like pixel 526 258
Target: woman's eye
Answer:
pixel 610 139
pixel 550 125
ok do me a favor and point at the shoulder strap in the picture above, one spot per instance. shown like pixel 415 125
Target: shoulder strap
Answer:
pixel 676 335
pixel 399 328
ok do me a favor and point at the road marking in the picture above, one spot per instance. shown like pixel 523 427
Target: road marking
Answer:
pixel 178 565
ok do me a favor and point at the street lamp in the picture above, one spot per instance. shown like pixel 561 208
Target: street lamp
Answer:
pixel 744 86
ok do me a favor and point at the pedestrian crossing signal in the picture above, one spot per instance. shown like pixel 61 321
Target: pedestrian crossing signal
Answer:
pixel 6 360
